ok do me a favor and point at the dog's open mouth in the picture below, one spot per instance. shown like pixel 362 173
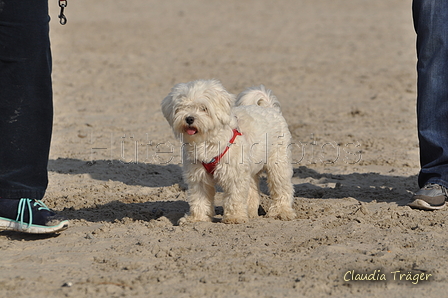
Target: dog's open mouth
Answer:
pixel 191 130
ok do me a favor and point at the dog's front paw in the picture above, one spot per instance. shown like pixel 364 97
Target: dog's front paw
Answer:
pixel 183 221
pixel 232 219
pixel 190 219
pixel 282 213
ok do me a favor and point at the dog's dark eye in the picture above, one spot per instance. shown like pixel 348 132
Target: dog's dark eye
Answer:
pixel 204 109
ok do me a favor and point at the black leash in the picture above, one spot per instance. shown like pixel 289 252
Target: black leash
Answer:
pixel 62 18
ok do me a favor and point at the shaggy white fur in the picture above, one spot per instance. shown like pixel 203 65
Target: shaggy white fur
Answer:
pixel 203 115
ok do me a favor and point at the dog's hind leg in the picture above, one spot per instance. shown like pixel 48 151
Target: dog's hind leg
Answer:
pixel 253 198
pixel 281 190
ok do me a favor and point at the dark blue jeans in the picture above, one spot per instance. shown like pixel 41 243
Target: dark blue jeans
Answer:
pixel 431 25
pixel 26 110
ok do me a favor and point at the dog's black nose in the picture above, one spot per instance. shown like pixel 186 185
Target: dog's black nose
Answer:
pixel 189 120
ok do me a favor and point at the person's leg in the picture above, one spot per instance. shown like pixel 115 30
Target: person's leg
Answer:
pixel 431 25
pixel 26 111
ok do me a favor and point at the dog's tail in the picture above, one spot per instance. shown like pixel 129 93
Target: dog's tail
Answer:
pixel 259 96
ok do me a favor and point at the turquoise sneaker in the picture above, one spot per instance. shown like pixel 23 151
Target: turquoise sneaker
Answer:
pixel 30 216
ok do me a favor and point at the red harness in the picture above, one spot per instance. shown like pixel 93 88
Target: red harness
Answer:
pixel 210 166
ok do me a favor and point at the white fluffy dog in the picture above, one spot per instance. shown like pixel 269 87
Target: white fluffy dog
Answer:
pixel 230 143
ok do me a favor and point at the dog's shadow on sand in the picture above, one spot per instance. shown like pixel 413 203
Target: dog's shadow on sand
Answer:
pixel 362 187
pixel 120 211
pixel 138 174
pixel 143 174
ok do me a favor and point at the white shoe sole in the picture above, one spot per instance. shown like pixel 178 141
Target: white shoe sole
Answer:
pixel 421 204
pixel 6 224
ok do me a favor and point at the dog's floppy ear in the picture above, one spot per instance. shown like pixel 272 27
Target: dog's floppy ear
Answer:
pixel 225 101
pixel 167 108
pixel 170 100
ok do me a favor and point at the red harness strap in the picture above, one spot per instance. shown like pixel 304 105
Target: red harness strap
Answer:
pixel 210 166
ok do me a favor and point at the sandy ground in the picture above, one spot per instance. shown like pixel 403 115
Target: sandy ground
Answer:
pixel 344 71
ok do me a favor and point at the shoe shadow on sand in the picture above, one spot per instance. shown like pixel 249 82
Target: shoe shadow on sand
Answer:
pixel 166 179
pixel 364 187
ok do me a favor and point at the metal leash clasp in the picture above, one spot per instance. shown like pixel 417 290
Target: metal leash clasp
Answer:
pixel 62 18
